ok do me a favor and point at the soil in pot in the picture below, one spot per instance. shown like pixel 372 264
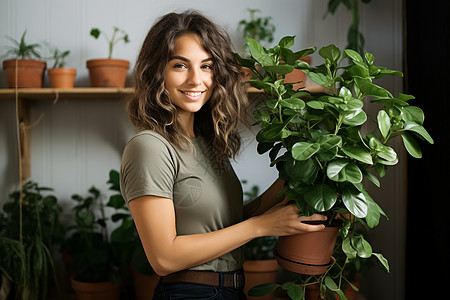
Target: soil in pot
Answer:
pixel 24 73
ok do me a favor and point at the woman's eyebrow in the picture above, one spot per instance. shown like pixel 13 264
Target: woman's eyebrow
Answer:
pixel 188 60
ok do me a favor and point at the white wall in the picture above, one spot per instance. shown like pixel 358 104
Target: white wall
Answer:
pixel 77 142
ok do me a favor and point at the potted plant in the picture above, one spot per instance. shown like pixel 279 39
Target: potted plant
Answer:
pixel 355 39
pixel 323 146
pixel 25 69
pixel 109 72
pixel 94 266
pixel 59 75
pixel 260 265
pixel 127 244
pixel 30 230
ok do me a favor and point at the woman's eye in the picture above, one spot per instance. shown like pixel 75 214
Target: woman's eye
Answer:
pixel 179 66
pixel 207 67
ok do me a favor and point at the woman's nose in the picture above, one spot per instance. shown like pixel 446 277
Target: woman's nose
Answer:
pixel 194 77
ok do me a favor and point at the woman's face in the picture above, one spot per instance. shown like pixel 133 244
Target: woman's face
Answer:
pixel 188 76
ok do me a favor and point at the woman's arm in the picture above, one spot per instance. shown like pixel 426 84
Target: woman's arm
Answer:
pixel 265 201
pixel 167 252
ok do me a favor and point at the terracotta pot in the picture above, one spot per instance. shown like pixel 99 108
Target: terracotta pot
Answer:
pixel 96 290
pixel 313 293
pixel 258 272
pixel 62 77
pixel 298 75
pixel 144 285
pixel 30 73
pixel 108 72
pixel 308 253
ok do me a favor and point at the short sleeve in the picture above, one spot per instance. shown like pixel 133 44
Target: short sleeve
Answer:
pixel 148 167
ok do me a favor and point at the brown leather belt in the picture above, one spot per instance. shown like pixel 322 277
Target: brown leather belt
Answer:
pixel 230 279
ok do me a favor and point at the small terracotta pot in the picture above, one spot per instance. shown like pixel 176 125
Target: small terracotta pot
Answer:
pixel 108 72
pixel 258 272
pixel 105 290
pixel 28 72
pixel 144 285
pixel 62 77
pixel 308 253
pixel 298 75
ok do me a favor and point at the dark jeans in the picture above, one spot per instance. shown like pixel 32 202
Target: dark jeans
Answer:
pixel 192 291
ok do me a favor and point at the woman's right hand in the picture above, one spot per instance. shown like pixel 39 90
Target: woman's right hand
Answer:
pixel 284 219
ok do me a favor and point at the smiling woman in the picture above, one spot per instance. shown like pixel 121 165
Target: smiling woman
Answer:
pixel 184 196
pixel 189 78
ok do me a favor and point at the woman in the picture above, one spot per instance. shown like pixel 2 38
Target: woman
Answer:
pixel 184 196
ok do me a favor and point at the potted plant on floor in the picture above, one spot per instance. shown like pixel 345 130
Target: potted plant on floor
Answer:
pixel 25 69
pixel 109 72
pixel 127 244
pixel 30 230
pixel 260 265
pixel 94 266
pixel 60 76
pixel 323 147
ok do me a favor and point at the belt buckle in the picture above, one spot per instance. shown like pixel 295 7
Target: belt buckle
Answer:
pixel 235 285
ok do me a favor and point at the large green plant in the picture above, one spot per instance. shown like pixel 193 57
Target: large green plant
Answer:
pixel 322 144
pixel 30 229
pixel 258 28
pixel 88 241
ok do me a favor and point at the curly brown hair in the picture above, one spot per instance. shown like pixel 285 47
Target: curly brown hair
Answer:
pixel 218 120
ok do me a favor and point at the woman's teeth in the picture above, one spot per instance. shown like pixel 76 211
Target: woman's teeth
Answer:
pixel 193 94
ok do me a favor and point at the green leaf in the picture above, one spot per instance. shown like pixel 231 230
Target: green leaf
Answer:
pixel 348 248
pixel 383 261
pixel 342 170
pixel 263 289
pixel 331 52
pixel 304 150
pixel 358 153
pixel 411 145
pixel 293 290
pixel 304 171
pixel 413 114
pixel 315 104
pixel 286 42
pixel 384 123
pixel 321 197
pixel 420 130
pixel 280 69
pixel 354 201
pixel 362 246
pixel 328 146
pixel 355 57
pixel 354 117
pixel 293 103
pixel 259 53
pixel 318 78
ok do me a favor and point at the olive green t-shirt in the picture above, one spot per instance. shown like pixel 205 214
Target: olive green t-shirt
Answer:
pixel 205 198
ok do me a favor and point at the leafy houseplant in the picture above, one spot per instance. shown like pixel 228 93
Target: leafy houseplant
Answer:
pixel 94 266
pixel 355 39
pixel 260 29
pixel 108 72
pixel 322 145
pixel 25 69
pixel 127 244
pixel 30 229
pixel 59 75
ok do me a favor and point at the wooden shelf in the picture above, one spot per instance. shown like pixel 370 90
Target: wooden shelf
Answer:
pixel 71 93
